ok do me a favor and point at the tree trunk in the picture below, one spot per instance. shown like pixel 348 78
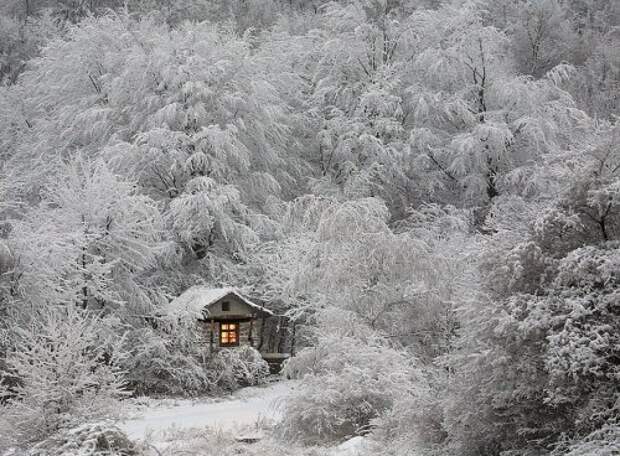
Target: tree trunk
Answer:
pixel 250 339
pixel 262 333
pixel 281 336
pixel 293 337
pixel 212 335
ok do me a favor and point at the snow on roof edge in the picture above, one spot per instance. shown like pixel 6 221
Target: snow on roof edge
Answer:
pixel 198 297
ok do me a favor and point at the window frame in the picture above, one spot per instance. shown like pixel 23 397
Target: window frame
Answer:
pixel 228 330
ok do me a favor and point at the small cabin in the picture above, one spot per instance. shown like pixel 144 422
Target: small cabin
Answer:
pixel 228 319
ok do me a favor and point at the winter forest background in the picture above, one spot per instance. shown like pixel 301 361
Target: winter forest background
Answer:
pixel 430 189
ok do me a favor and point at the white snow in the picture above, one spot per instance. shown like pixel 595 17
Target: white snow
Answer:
pixel 197 298
pixel 245 408
pixel 351 447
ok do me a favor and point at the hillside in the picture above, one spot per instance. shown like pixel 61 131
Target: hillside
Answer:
pixel 416 201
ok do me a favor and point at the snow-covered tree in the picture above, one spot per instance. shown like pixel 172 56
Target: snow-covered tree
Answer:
pixel 87 242
pixel 190 113
pixel 477 123
pixel 536 350
pixel 346 385
pixel 67 373
pixel 426 188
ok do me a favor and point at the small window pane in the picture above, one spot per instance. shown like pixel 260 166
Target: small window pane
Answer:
pixel 229 334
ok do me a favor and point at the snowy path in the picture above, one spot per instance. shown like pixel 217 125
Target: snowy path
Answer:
pixel 243 409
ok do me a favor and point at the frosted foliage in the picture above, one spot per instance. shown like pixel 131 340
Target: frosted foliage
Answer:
pixel 91 230
pixel 346 383
pixel 478 123
pixel 584 340
pixel 355 267
pixel 543 36
pixel 553 332
pixel 169 123
pixel 183 365
pixel 100 438
pixel 160 364
pixel 424 193
pixel 20 42
pixel 602 442
pixel 239 367
pixel 67 372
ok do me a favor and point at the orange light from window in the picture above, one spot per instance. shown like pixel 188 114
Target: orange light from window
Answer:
pixel 228 333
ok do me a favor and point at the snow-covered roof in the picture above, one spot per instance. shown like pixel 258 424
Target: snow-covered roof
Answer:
pixel 198 298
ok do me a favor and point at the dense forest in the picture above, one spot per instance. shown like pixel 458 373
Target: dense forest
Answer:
pixel 428 189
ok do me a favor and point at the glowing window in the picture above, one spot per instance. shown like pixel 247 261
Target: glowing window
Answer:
pixel 229 334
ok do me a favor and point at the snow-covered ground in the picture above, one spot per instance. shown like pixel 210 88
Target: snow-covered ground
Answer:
pixel 173 426
pixel 237 413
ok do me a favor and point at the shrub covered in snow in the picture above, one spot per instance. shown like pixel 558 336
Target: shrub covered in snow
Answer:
pixel 335 405
pixel 174 360
pixel 161 364
pixel 238 367
pixel 346 384
pixel 536 360
pixel 414 424
pixel 67 373
pixel 602 442
pixel 90 439
pixel 210 442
